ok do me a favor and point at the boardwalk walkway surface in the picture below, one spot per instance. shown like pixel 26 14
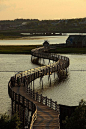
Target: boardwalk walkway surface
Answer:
pixel 47 118
pixel 45 112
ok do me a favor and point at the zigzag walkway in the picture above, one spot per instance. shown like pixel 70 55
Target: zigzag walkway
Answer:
pixel 45 112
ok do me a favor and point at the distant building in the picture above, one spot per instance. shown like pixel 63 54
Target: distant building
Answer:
pixel 46 45
pixel 76 41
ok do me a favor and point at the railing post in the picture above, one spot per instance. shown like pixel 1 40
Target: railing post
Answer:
pixel 50 103
pixel 18 101
pixel 41 101
pixel 15 102
pixel 36 96
pixel 12 106
pixel 12 81
pixel 21 78
pixel 15 77
pixel 55 105
pixel 13 96
pixel 23 102
pixel 31 93
pixel 46 100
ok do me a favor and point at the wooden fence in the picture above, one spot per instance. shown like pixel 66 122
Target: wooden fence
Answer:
pixel 25 103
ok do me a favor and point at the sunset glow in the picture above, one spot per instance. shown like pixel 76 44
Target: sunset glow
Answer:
pixel 42 9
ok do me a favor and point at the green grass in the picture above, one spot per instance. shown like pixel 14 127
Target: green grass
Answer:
pixel 27 49
pixel 70 50
pixel 16 49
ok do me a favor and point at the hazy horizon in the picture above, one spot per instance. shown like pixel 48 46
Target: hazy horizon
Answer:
pixel 42 10
pixel 42 19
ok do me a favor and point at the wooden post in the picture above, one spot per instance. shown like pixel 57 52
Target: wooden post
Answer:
pixel 27 103
pixel 49 71
pixel 55 105
pixel 38 74
pixel 21 78
pixel 43 61
pixel 48 77
pixel 15 77
pixel 50 103
pixel 13 96
pixel 18 101
pixel 66 71
pixel 46 70
pixel 46 100
pixel 33 85
pixel 43 72
pixel 31 58
pixel 40 81
pixel 49 61
pixel 36 96
pixel 12 106
pixel 54 74
pixel 50 81
pixel 41 101
pixel 42 84
pixel 40 59
pixel 33 94
pixel 15 101
pixel 31 81
pixel 23 111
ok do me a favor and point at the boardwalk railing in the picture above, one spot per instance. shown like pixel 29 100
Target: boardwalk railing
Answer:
pixel 44 100
pixel 26 77
pixel 23 102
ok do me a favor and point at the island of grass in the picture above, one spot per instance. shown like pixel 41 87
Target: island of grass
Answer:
pixel 26 49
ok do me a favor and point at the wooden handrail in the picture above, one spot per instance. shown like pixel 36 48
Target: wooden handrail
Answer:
pixel 26 77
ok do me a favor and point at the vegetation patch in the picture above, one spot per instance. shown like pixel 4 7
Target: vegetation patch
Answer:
pixel 16 49
pixel 10 123
pixel 78 118
pixel 26 49
pixel 66 50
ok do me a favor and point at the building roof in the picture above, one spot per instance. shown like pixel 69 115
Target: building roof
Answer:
pixel 76 40
pixel 46 43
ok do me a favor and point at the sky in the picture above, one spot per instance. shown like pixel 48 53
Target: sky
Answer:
pixel 42 9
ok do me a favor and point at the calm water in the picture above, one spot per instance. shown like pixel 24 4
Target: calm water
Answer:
pixel 72 89
pixel 35 40
pixel 9 65
pixel 69 91
pixel 38 40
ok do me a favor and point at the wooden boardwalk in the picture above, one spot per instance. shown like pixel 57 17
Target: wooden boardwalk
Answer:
pixel 45 112
pixel 47 118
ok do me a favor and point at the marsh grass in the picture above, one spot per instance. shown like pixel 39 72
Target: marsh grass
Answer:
pixel 67 50
pixel 16 49
pixel 26 49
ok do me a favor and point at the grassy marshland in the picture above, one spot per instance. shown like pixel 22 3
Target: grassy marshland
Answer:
pixel 27 49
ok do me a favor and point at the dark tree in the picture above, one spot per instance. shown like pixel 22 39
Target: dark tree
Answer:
pixel 78 118
pixel 7 123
